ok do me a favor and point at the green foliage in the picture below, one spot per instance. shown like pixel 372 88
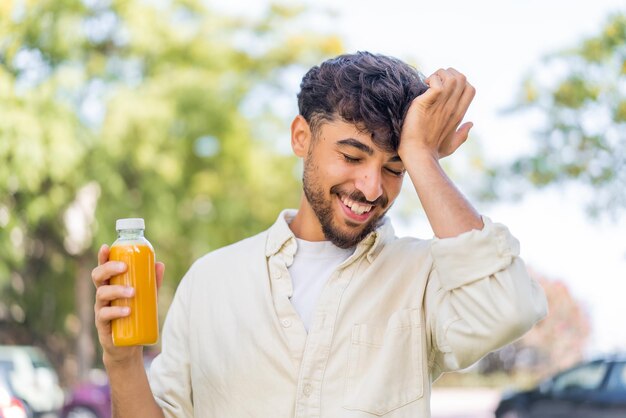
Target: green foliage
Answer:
pixel 115 109
pixel 581 96
pixel 575 92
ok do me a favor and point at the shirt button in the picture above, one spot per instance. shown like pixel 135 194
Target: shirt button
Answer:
pixel 307 390
pixel 286 323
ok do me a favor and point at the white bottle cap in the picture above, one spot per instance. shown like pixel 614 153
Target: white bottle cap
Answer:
pixel 130 223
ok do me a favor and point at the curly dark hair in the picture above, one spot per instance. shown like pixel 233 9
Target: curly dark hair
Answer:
pixel 369 90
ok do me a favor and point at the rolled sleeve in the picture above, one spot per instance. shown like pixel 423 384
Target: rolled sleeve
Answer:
pixel 479 296
pixel 473 255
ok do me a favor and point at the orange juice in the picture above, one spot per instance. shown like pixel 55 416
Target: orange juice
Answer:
pixel 141 326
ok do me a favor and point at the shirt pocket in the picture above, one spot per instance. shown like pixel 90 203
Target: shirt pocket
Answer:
pixel 385 364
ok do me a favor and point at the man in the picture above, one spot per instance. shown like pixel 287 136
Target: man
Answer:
pixel 327 313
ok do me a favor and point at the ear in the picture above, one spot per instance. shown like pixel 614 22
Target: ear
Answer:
pixel 300 136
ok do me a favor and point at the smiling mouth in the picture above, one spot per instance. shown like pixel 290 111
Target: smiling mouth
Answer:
pixel 357 208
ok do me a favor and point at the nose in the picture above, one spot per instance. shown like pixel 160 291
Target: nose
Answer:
pixel 369 183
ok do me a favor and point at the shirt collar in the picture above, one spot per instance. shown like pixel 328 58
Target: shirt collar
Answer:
pixel 374 242
pixel 280 238
pixel 280 235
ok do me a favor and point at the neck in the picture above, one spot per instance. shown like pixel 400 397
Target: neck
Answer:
pixel 305 224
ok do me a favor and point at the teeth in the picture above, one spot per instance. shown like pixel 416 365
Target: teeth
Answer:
pixel 356 207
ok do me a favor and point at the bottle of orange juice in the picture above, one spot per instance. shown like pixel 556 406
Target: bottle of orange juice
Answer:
pixel 141 326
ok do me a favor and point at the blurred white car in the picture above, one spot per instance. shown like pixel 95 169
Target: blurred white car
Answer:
pixel 11 406
pixel 33 378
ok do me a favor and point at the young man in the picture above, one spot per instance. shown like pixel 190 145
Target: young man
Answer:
pixel 328 314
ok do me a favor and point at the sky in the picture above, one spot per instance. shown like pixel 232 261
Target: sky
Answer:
pixel 495 44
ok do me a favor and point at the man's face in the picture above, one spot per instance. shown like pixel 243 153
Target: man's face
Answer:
pixel 349 182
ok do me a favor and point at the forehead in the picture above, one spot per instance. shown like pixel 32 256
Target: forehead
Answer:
pixel 339 134
pixel 336 133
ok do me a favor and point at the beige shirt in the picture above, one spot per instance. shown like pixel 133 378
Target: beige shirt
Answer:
pixel 389 321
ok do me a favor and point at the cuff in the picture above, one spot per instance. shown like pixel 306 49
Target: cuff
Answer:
pixel 473 255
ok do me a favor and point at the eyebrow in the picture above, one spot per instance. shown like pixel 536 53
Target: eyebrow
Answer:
pixel 352 142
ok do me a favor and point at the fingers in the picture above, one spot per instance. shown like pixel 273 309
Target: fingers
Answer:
pixel 468 95
pixel 101 274
pixel 103 254
pixel 466 91
pixel 463 102
pixel 459 93
pixel 105 269
pixel 106 294
pixel 435 87
pixel 452 82
pixel 449 86
pixel 457 139
pixel 104 312
pixel 455 85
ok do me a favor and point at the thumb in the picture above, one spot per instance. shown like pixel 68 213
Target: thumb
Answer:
pixel 464 129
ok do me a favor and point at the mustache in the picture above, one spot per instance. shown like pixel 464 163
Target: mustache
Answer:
pixel 359 197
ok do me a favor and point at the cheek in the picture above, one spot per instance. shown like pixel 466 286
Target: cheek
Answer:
pixel 334 174
pixel 326 167
pixel 393 187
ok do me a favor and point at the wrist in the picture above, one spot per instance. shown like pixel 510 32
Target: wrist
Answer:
pixel 131 357
pixel 419 158
pixel 410 150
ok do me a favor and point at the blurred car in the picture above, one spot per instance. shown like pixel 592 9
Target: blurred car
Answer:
pixel 32 378
pixel 11 406
pixel 594 389
pixel 89 399
pixel 92 398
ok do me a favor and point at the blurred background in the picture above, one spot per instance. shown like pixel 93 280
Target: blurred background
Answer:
pixel 179 112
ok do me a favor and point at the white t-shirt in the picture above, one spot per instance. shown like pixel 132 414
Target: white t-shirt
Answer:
pixel 312 265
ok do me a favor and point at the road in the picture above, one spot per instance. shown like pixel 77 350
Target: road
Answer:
pixel 464 403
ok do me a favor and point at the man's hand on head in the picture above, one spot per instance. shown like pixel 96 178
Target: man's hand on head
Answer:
pixel 432 122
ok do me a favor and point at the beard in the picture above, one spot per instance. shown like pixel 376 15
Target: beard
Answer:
pixel 351 234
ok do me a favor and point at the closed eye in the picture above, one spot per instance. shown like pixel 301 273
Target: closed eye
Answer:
pixel 351 160
pixel 394 172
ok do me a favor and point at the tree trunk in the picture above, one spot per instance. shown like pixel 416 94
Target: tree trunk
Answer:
pixel 85 350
